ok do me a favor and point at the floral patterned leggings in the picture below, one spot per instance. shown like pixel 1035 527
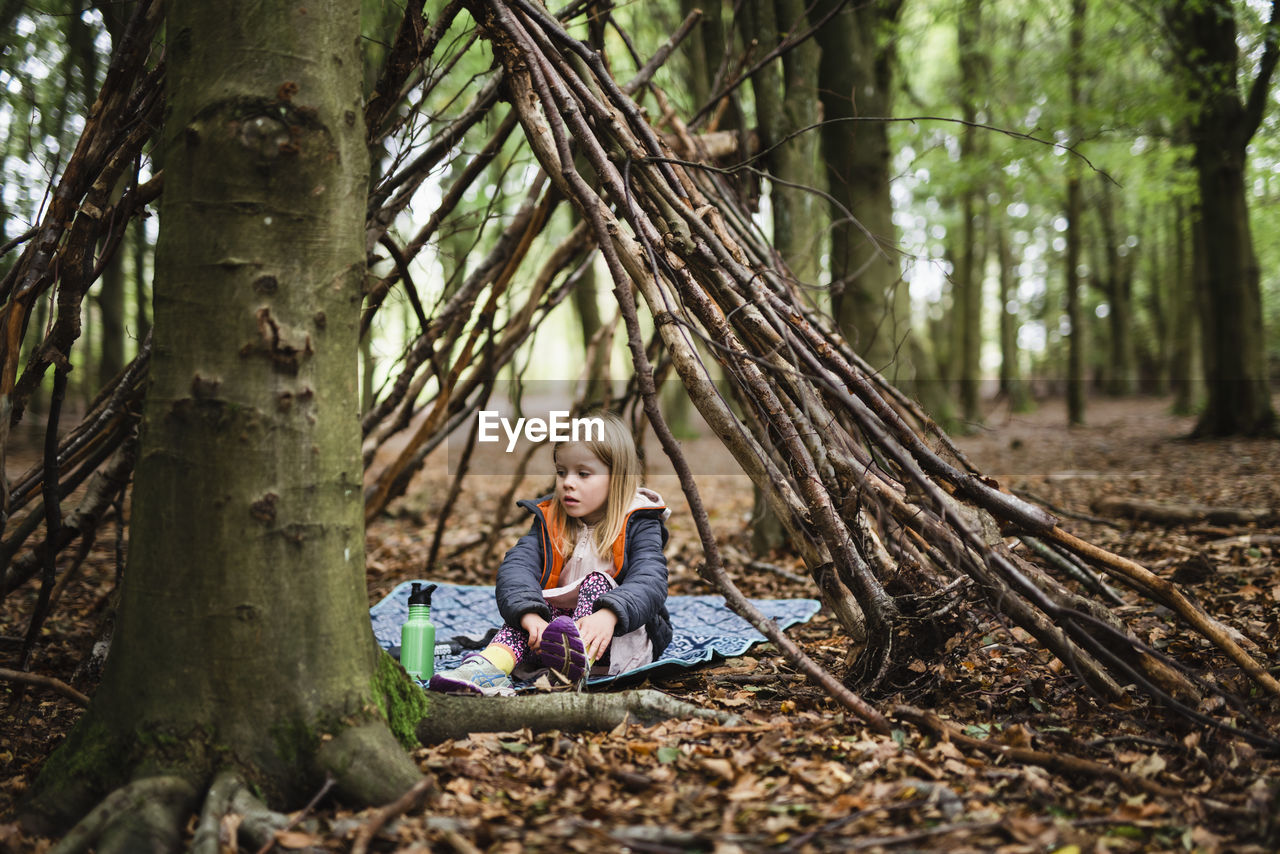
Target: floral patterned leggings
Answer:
pixel 592 588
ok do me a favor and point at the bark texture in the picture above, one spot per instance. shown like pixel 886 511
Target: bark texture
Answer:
pixel 243 636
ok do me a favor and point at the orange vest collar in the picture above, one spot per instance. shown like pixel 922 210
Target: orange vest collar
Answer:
pixel 551 538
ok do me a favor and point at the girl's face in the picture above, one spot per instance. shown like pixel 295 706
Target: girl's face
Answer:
pixel 582 483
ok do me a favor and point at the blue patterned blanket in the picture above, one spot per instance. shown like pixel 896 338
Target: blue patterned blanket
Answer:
pixel 464 614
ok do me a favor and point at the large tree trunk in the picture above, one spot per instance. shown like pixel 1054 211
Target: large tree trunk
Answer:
pixel 1229 295
pixel 243 637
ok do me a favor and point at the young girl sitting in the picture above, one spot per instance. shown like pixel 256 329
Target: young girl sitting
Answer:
pixel 588 581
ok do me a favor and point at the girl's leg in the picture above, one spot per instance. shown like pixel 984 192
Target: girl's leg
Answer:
pixel 487 671
pixel 593 587
pixel 562 648
pixel 508 648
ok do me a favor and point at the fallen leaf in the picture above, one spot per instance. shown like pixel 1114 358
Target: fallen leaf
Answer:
pixel 1148 766
pixel 296 839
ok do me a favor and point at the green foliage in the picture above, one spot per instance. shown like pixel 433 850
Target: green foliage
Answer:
pixel 53 65
pixel 1130 134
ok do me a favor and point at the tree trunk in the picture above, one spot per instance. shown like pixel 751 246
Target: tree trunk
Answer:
pixel 1012 385
pixel 705 52
pixel 585 304
pixel 1230 300
pixel 1075 232
pixel 1229 294
pixel 141 289
pixel 111 310
pixel 243 636
pixel 1118 272
pixel 971 257
pixel 1182 323
pixel 786 98
pixel 870 300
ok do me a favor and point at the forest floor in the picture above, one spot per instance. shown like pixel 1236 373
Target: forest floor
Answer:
pixel 799 774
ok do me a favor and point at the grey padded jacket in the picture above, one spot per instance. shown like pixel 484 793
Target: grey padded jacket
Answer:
pixel 640 599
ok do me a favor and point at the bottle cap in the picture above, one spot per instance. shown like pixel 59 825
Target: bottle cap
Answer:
pixel 419 596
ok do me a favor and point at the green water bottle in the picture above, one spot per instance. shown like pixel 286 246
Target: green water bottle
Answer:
pixel 418 635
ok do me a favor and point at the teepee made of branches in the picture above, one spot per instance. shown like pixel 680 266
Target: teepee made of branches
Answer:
pixel 844 460
pixel 895 527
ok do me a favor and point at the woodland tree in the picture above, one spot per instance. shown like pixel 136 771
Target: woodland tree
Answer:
pixel 243 640
pixel 1226 113
pixel 971 240
pixel 1075 226
pixel 869 298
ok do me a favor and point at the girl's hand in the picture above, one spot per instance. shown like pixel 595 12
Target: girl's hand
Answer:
pixel 596 631
pixel 534 625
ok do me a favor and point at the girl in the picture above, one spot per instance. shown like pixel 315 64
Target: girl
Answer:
pixel 588 580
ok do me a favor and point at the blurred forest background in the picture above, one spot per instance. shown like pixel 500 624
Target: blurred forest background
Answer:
pixel 991 198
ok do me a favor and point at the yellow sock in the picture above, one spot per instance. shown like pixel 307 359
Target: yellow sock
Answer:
pixel 500 656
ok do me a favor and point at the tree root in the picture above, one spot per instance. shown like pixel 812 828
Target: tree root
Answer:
pixel 145 815
pixel 231 813
pixel 369 764
pixel 455 716
pixel 258 823
pixel 217 805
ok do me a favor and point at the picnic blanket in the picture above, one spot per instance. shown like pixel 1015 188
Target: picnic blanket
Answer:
pixel 465 614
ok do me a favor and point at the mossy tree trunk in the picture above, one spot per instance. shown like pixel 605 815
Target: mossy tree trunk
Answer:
pixel 243 635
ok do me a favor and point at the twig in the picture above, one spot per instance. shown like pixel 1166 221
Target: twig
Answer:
pixel 329 782
pixel 737 556
pixel 1028 495
pixel 928 833
pixel 1170 596
pixel 398 807
pixel 52 513
pixel 1077 571
pixel 1245 540
pixel 56 685
pixel 1056 761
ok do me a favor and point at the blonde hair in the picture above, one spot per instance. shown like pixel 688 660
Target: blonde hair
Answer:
pixel 617 450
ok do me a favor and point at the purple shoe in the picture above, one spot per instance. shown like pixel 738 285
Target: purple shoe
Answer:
pixel 562 649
